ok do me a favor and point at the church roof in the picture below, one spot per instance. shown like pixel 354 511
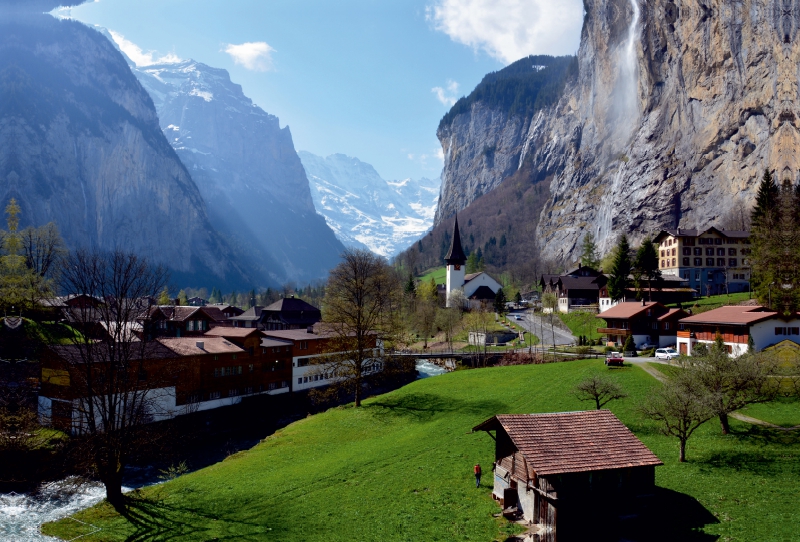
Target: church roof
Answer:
pixel 456 254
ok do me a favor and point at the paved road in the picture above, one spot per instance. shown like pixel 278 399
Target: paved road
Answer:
pixel 533 322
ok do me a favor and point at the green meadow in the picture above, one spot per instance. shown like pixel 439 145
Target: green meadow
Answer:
pixel 400 468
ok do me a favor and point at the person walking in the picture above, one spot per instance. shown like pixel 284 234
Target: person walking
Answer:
pixel 477 475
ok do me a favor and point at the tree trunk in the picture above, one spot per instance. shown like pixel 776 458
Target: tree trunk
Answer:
pixel 113 485
pixel 358 391
pixel 723 421
pixel 683 450
pixel 597 401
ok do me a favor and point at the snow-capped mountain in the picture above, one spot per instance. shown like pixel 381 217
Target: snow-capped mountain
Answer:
pixel 365 210
pixel 245 166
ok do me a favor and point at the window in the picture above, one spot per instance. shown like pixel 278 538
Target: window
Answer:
pixel 662 253
pixel 248 390
pixel 303 345
pixel 666 326
pixel 649 312
pixel 731 252
pixel 698 252
pixel 673 262
pixel 709 252
pixel 234 356
pixel 718 241
pixel 697 273
pixel 710 262
pixel 214 395
pixel 300 380
pixel 687 251
pixel 731 262
pixel 674 252
pixel 686 261
pixel 780 331
pixel 720 262
pixel 654 325
pixel 284 383
pixel 142 375
pixel 233 392
pixel 194 398
pixel 272 385
pixel 305 380
pixel 720 252
pixel 669 242
pixel 190 325
pixel 302 362
pixel 662 263
pixel 698 262
pixel 251 367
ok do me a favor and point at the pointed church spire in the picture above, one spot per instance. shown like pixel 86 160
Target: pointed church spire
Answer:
pixel 456 255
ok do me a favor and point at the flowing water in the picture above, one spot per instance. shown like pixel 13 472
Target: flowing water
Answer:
pixel 425 369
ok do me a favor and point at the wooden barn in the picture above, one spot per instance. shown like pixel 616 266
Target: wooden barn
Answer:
pixel 567 468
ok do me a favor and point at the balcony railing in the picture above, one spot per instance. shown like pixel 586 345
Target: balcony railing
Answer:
pixel 613 331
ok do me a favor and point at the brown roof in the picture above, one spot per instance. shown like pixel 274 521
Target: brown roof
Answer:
pixel 187 346
pixel 275 342
pixel 238 332
pixel 671 313
pixel 573 441
pixel 628 309
pixel 471 276
pixel 731 315
pixel 294 334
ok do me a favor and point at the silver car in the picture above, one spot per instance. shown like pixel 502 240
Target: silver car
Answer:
pixel 666 353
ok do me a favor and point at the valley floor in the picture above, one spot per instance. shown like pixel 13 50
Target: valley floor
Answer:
pixel 400 468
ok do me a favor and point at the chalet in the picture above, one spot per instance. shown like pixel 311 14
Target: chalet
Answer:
pixel 560 470
pixel 177 321
pixel 670 289
pixel 222 313
pixel 197 302
pixel 178 376
pixel 251 318
pixel 309 346
pixel 289 313
pixel 649 323
pixel 479 288
pixel 578 289
pixel 736 325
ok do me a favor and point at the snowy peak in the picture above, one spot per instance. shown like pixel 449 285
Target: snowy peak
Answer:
pixel 365 210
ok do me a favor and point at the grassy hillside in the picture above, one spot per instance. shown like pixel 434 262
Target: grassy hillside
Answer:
pixel 400 468
pixel 714 302
pixel 439 276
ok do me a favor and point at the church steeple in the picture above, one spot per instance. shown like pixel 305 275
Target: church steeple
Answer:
pixel 456 255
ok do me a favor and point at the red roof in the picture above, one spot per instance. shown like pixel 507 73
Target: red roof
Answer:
pixel 573 441
pixel 628 309
pixel 742 315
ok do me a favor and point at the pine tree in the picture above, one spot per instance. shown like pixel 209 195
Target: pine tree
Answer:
pixel 620 269
pixel 589 257
pixel 500 302
pixel 411 286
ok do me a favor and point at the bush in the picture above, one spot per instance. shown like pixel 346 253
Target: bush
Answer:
pixel 608 349
pixel 583 350
pixel 630 345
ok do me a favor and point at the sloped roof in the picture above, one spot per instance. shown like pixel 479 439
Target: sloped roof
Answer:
pixel 238 332
pixel 187 346
pixel 483 293
pixel 731 315
pixel 291 304
pixel 628 309
pixel 253 313
pixel 581 283
pixel 471 276
pixel 456 254
pixel 566 442
pixel 670 314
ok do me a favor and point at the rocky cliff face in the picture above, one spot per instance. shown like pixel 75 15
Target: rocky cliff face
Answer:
pixel 246 168
pixel 80 145
pixel 676 111
pixel 365 210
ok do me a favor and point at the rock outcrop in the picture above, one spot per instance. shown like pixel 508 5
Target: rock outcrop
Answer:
pixel 675 113
pixel 245 166
pixel 80 145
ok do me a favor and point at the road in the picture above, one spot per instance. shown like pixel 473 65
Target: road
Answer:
pixel 533 322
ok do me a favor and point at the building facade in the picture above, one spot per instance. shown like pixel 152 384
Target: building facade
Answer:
pixel 713 261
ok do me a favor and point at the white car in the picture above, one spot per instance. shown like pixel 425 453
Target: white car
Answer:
pixel 517 317
pixel 666 353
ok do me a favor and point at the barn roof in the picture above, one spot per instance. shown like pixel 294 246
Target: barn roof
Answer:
pixel 629 309
pixel 566 442
pixel 742 315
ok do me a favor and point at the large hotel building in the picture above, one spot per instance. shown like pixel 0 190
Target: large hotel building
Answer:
pixel 714 261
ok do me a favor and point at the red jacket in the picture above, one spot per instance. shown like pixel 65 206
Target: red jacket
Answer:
pixel 477 469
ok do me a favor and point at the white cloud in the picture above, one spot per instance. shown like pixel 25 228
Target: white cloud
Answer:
pixel 256 56
pixel 448 95
pixel 511 29
pixel 138 56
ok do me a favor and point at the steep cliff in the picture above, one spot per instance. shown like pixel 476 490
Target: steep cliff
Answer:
pixel 365 210
pixel 80 145
pixel 245 165
pixel 676 111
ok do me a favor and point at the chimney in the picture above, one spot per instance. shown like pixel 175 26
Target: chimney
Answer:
pixel 310 329
pixel 643 303
pixel 201 345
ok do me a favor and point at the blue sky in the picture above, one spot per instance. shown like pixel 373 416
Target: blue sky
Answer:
pixel 367 78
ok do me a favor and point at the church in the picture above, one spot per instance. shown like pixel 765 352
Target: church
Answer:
pixel 477 287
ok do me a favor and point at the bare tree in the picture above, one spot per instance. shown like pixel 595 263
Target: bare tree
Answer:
pixel 599 389
pixel 113 385
pixel 361 307
pixel 681 405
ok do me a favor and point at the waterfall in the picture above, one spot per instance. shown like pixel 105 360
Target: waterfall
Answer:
pixel 625 105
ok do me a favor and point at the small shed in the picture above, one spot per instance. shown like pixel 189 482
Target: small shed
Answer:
pixel 562 469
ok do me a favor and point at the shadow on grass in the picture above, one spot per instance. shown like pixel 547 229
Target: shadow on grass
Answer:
pixel 666 516
pixel 758 434
pixel 425 406
pixel 153 520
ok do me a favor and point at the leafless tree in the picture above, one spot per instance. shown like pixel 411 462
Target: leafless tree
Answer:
pixel 115 389
pixel 738 216
pixel 599 389
pixel 361 309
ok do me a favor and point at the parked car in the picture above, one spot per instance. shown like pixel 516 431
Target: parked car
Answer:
pixel 646 346
pixel 666 353
pixel 517 317
pixel 615 358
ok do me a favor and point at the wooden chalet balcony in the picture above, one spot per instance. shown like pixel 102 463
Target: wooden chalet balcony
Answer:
pixel 613 331
pixel 684 334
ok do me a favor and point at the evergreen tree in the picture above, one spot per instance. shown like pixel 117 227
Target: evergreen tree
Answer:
pixel 620 269
pixel 163 298
pixel 411 286
pixel 472 262
pixel 630 346
pixel 646 266
pixel 20 287
pixel 182 299
pixel 500 302
pixel 589 256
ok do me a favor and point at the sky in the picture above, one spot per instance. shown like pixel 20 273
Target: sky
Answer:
pixel 366 78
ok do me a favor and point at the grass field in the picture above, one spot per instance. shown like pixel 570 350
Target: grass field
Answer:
pixel 439 275
pixel 785 411
pixel 400 469
pixel 714 302
pixel 583 323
